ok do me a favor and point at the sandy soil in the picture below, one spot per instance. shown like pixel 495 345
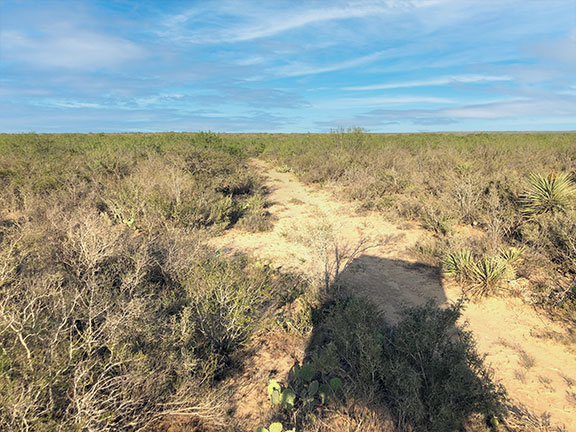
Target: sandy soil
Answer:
pixel 539 373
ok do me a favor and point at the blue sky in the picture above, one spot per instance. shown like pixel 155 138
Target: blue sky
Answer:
pixel 287 66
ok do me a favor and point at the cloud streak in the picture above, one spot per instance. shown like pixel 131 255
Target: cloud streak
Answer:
pixel 497 110
pixel 71 49
pixel 441 81
pixel 385 100
pixel 300 69
pixel 248 65
pixel 271 23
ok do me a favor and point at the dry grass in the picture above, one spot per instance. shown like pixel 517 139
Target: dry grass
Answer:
pixel 446 181
pixel 115 316
pixel 109 302
pixel 526 360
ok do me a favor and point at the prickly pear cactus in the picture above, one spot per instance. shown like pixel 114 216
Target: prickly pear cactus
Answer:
pixel 274 427
pixel 305 373
pixel 288 399
pixel 324 392
pixel 313 388
pixel 335 384
pixel 274 392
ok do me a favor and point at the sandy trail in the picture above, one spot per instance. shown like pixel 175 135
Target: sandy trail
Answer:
pixel 539 373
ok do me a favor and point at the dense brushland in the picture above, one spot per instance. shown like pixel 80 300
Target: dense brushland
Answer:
pixel 112 311
pixel 517 189
pixel 114 315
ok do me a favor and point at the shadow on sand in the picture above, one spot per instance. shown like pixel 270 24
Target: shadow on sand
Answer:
pixel 392 285
pixel 386 331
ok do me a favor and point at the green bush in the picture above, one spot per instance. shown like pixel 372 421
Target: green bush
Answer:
pixel 223 303
pixel 307 393
pixel 444 181
pixel 254 215
pixel 432 373
pixel 426 368
pixel 487 274
pixel 102 320
pixel 112 310
pixel 553 236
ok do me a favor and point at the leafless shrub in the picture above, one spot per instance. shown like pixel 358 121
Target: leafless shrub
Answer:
pixel 106 322
pixel 332 255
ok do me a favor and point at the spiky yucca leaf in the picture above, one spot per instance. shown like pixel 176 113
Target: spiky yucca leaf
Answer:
pixel 511 256
pixel 458 264
pixel 487 274
pixel 548 193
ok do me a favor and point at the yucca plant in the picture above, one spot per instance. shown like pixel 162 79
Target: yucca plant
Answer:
pixel 548 193
pixel 458 264
pixel 511 257
pixel 487 274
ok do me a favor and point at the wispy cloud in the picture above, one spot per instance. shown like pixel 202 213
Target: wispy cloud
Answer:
pixel 276 26
pixel 562 50
pixel 441 81
pixel 236 65
pixel 560 107
pixel 69 48
pixel 69 104
pixel 300 69
pixel 265 22
pixel 384 100
pixel 515 108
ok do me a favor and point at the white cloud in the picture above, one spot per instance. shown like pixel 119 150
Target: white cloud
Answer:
pixel 69 104
pixel 74 49
pixel 299 69
pixel 537 112
pixel 433 82
pixel 377 101
pixel 562 50
pixel 508 108
pixel 284 23
pixel 262 22
pixel 152 100
pixel 514 108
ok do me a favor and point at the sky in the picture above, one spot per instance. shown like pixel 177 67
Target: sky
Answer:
pixel 287 66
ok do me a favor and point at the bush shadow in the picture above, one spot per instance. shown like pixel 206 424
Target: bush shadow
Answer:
pixel 386 329
pixel 392 285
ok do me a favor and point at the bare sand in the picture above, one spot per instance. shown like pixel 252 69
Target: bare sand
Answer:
pixel 538 373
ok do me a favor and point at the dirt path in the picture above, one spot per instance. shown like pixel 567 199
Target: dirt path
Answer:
pixel 539 373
